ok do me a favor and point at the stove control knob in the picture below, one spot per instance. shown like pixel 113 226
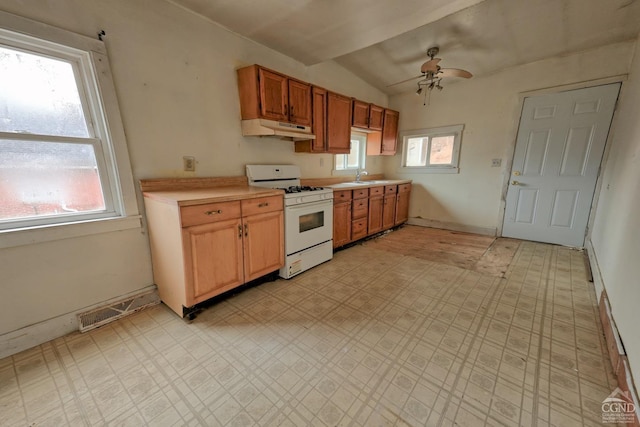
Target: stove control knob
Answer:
pixel 299 200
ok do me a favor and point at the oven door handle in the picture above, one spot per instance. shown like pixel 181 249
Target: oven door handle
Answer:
pixel 304 206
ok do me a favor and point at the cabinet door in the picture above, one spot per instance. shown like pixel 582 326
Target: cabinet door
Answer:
pixel 213 259
pixel 319 124
pixel 341 224
pixel 375 214
pixel 389 211
pixel 273 95
pixel 263 244
pixel 390 132
pixel 360 117
pixel 402 207
pixel 376 117
pixel 299 103
pixel 338 124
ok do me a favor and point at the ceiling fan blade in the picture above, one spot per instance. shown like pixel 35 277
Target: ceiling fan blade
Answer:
pixel 404 81
pixel 455 72
pixel 431 65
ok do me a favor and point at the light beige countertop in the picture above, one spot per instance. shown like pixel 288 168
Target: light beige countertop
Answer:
pixel 366 184
pixel 211 195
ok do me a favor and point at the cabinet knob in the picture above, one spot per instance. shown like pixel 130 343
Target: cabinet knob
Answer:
pixel 240 232
pixel 246 230
pixel 262 205
pixel 219 211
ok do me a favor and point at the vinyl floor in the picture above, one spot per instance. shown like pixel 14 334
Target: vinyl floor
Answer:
pixel 371 338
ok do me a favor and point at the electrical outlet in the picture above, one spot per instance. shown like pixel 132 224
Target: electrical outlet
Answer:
pixel 189 163
pixel 495 163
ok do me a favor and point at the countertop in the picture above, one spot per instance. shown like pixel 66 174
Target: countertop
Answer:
pixel 367 184
pixel 211 195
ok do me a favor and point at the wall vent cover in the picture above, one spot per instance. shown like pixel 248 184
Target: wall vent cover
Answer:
pixel 117 310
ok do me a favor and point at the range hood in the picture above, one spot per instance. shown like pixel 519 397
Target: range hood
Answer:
pixel 264 127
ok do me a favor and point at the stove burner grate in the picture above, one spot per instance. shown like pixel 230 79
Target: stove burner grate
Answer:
pixel 301 189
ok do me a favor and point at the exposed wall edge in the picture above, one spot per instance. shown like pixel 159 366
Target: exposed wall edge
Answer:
pixel 487 231
pixel 615 347
pixel 30 336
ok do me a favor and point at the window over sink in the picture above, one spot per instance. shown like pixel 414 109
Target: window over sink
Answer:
pixel 349 163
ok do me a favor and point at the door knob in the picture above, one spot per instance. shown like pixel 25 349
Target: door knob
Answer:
pixel 515 183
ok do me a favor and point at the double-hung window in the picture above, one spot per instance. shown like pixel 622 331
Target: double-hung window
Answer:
pixel 57 157
pixel 356 158
pixel 431 150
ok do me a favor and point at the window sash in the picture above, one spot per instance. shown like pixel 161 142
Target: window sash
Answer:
pixel 428 135
pixel 342 160
pixel 82 63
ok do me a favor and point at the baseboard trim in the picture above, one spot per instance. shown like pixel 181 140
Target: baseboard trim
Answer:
pixel 30 336
pixel 453 226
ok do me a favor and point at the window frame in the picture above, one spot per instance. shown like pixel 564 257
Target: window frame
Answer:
pixel 362 155
pixel 430 133
pixel 97 94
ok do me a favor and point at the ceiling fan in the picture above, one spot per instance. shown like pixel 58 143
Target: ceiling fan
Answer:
pixel 432 73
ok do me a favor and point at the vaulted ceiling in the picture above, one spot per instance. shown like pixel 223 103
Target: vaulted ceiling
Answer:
pixel 385 41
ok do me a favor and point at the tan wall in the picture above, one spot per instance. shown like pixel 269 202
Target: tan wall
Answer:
pixel 616 231
pixel 489 107
pixel 175 78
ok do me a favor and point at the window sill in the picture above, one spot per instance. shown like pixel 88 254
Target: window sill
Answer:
pixel 428 170
pixel 49 233
pixel 343 172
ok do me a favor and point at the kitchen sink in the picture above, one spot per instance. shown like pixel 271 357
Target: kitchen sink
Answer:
pixel 370 182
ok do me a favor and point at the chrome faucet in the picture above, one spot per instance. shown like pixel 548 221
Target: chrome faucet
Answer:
pixel 359 174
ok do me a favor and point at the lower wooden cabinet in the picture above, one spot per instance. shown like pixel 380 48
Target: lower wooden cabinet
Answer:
pixel 341 218
pixel 203 250
pixel 213 258
pixel 263 244
pixel 366 211
pixel 402 203
pixel 375 214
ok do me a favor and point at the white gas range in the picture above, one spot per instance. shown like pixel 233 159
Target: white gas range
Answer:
pixel 308 216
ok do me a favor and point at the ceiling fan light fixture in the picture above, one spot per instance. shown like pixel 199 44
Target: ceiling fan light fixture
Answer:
pixel 419 91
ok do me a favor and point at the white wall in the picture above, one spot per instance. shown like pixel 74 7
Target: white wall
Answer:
pixel 615 236
pixel 489 107
pixel 175 78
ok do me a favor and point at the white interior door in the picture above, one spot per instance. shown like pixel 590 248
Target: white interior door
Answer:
pixel 558 152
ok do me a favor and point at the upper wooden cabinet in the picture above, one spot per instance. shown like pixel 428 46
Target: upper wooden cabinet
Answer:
pixel 338 124
pixel 318 124
pixel 367 116
pixel 331 124
pixel 266 94
pixel 386 142
pixel 390 132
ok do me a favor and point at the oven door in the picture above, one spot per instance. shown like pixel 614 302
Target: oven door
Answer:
pixel 308 225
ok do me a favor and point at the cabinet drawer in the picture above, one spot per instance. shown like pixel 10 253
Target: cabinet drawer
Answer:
pixel 360 193
pixel 261 205
pixel 376 191
pixel 390 189
pixel 358 228
pixel 341 196
pixel 360 208
pixel 210 212
pixel 404 188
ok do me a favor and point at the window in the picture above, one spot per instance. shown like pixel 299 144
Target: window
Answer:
pixel 355 159
pixel 432 150
pixel 57 156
